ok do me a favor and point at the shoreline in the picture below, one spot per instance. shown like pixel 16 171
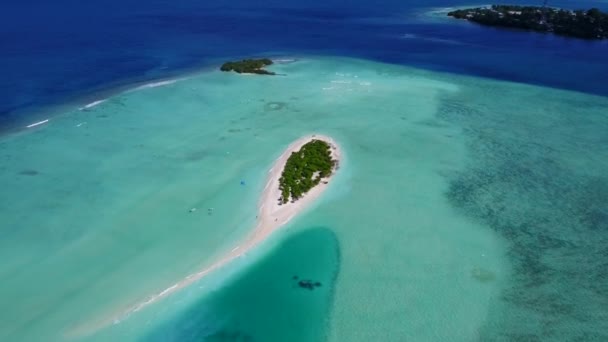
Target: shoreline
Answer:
pixel 441 13
pixel 271 217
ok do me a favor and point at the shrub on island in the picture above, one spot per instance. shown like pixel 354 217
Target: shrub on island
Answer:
pixel 248 66
pixel 305 169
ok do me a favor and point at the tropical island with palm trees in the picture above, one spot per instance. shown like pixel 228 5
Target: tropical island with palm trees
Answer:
pixel 590 24
pixel 305 169
pixel 249 66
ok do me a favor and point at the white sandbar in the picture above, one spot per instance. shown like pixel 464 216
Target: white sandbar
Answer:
pixel 272 216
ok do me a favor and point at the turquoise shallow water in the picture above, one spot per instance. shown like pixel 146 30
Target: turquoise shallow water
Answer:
pixel 465 209
pixel 266 303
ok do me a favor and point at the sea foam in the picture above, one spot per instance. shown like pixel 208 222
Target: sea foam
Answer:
pixel 37 123
pixel 92 104
pixel 156 84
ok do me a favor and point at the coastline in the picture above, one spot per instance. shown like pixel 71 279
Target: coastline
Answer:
pixel 441 13
pixel 271 214
pixel 271 217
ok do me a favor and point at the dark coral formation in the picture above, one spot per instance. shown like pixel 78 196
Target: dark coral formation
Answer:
pixel 522 182
pixel 307 283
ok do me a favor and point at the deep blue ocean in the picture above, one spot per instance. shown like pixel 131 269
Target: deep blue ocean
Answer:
pixel 64 51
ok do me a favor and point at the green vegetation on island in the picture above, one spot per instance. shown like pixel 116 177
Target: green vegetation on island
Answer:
pixel 249 66
pixel 591 24
pixel 305 169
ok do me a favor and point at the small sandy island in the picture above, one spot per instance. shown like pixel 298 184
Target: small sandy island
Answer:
pixel 272 215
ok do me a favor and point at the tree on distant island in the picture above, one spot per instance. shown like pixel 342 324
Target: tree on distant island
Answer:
pixel 591 24
pixel 248 66
pixel 305 169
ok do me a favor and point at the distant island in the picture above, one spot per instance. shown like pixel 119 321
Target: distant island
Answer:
pixel 249 66
pixel 591 24
pixel 305 169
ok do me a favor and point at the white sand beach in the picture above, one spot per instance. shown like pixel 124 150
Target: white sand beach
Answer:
pixel 272 216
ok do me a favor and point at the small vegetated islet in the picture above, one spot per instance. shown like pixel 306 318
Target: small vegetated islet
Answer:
pixel 248 66
pixel 305 169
